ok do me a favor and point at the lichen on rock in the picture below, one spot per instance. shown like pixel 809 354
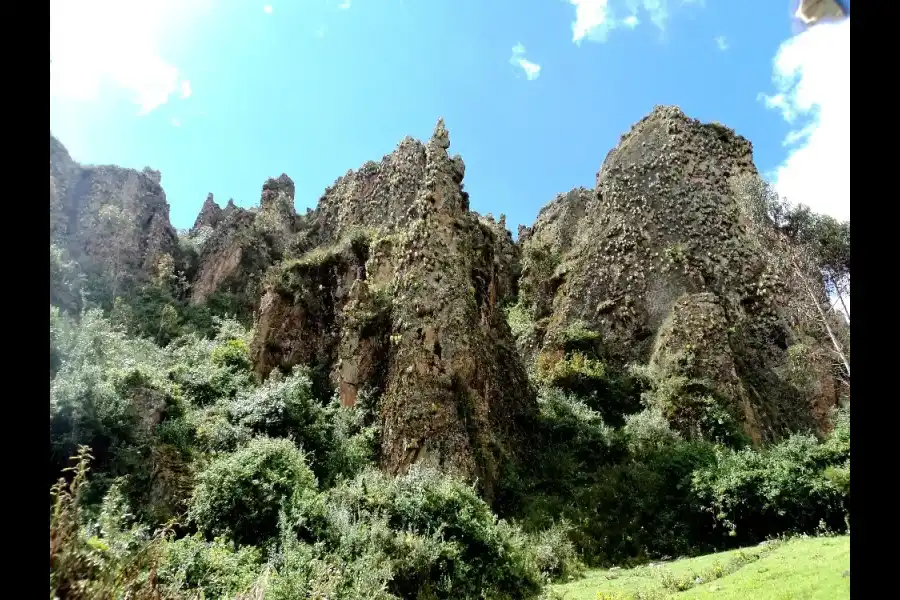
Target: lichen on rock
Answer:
pixel 114 222
pixel 393 288
pixel 415 311
pixel 658 239
pixel 243 245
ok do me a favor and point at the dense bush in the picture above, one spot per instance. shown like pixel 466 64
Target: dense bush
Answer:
pixel 286 407
pixel 581 372
pixel 799 485
pixel 106 392
pixel 280 485
pixel 627 492
pixel 693 408
pixel 240 495
pixel 217 568
pixel 66 281
pixel 308 571
pixel 437 535
pixel 571 443
pixel 134 404
pixel 102 554
pixel 337 442
pixel 212 370
pixel 642 506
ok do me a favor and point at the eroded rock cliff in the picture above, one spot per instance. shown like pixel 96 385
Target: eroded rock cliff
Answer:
pixel 114 222
pixel 240 245
pixel 403 294
pixel 393 289
pixel 655 262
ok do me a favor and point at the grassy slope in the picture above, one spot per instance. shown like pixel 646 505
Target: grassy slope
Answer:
pixel 800 569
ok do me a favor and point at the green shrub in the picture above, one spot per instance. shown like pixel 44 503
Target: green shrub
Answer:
pixel 578 337
pixel 240 495
pixel 554 554
pixel 214 432
pixel 217 568
pixel 152 312
pixel 574 441
pixel 105 388
pixel 642 507
pixel 233 354
pixel 355 445
pixel 66 281
pixel 212 370
pixel 104 558
pixel 790 487
pixel 439 537
pixel 338 445
pixel 111 393
pixel 613 393
pixel 696 410
pixel 626 492
pixel 307 571
pixel 520 322
pixel 283 407
pixel 575 373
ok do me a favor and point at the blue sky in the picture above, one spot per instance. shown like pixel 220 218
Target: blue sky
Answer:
pixel 221 94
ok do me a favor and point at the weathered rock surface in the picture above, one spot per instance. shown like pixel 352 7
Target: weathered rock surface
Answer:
pixel 660 240
pixel 393 287
pixel 403 295
pixel 243 244
pixel 113 221
pixel 210 214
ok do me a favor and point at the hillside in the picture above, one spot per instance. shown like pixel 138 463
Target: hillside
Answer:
pixel 344 401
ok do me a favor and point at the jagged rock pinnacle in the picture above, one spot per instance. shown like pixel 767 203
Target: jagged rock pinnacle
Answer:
pixel 282 184
pixel 153 174
pixel 441 137
pixel 210 214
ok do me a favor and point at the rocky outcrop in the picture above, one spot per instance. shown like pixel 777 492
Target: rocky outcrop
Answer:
pixel 403 294
pixel 210 214
pixel 694 355
pixel 656 259
pixel 113 221
pixel 243 244
pixel 392 288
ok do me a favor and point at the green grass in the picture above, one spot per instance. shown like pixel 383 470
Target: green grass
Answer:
pixel 798 569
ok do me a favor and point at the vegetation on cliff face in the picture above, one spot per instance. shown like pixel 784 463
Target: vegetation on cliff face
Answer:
pixel 388 398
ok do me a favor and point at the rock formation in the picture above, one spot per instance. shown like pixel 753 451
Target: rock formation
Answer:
pixel 243 244
pixel 656 261
pixel 403 295
pixel 392 287
pixel 210 214
pixel 113 221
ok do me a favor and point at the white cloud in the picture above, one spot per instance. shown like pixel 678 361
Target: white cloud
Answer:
pixel 532 70
pixel 721 43
pixel 186 89
pixel 175 122
pixel 344 5
pixel 812 81
pixel 267 9
pixel 594 19
pixel 321 30
pixel 99 46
